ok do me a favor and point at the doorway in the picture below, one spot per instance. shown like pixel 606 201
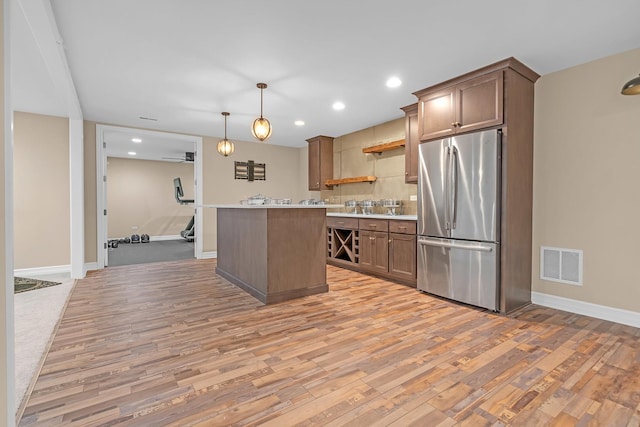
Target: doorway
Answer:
pixel 113 142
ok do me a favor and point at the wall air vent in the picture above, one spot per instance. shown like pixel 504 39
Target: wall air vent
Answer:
pixel 561 265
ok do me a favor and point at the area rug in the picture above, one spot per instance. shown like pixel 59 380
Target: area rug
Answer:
pixel 22 284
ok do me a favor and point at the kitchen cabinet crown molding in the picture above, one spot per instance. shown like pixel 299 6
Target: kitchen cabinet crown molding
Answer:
pixel 511 63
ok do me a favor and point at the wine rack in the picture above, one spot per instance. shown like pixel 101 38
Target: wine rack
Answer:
pixel 342 245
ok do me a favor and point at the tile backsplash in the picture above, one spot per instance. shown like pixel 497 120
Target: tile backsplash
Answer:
pixel 388 167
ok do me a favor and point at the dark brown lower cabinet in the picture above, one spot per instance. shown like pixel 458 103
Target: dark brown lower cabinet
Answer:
pixel 379 247
pixel 374 251
pixel 402 256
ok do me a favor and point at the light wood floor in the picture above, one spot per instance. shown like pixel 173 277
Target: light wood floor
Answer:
pixel 173 344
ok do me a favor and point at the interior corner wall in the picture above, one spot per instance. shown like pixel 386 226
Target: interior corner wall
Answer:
pixel 41 191
pixel 219 185
pixel 586 178
pixel 140 197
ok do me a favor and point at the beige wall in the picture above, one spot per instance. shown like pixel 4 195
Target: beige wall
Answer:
pixel 587 179
pixel 388 167
pixel 284 178
pixel 41 191
pixel 140 197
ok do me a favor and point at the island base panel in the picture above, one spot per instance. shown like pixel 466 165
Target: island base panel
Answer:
pixel 273 254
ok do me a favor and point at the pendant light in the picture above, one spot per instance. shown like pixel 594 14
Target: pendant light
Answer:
pixel 261 128
pixel 225 147
pixel 632 87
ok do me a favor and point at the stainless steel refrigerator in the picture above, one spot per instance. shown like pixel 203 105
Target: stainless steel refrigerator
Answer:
pixel 458 218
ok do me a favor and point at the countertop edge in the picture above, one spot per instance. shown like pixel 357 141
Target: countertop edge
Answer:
pixel 374 216
pixel 296 206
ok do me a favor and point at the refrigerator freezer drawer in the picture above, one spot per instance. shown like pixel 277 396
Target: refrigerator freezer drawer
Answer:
pixel 459 270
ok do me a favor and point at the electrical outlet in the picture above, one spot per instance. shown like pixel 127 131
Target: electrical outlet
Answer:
pixel 134 227
pixel 413 197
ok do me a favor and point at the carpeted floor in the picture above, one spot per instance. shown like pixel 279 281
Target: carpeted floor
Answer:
pixel 23 284
pixel 154 251
pixel 36 315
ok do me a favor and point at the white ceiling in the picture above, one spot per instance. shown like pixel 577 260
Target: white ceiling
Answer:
pixel 183 62
pixel 147 146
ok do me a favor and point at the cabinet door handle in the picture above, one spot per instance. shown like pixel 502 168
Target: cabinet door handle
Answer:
pixel 341 222
pixel 373 225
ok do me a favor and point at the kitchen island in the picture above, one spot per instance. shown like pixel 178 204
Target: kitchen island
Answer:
pixel 274 252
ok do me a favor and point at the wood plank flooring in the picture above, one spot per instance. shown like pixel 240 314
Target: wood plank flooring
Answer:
pixel 173 344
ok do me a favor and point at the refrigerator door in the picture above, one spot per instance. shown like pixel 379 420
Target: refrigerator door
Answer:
pixel 459 270
pixel 433 191
pixel 474 177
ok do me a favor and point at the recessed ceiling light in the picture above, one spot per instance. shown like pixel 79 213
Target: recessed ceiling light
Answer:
pixel 299 123
pixel 338 106
pixel 132 153
pixel 136 140
pixel 394 82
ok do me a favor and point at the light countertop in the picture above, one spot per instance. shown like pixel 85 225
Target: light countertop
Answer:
pixel 292 206
pixel 374 216
pixel 298 206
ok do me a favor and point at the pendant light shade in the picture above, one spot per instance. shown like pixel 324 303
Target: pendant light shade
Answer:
pixel 632 87
pixel 261 128
pixel 225 147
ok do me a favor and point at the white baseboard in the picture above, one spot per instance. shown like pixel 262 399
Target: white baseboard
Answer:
pixel 158 238
pixel 42 271
pixel 618 315
pixel 89 266
pixel 208 255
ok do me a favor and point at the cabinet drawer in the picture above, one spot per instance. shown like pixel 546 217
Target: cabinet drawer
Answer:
pixel 402 227
pixel 373 224
pixel 342 222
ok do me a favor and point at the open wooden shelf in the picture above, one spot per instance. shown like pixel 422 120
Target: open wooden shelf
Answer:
pixel 331 182
pixel 380 148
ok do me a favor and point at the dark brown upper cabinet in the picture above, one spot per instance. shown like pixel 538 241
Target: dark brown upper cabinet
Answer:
pixel 320 162
pixel 412 140
pixel 473 104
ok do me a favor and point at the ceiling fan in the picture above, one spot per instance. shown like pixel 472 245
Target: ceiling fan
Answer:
pixel 188 157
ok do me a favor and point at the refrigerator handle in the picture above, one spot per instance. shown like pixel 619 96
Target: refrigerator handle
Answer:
pixel 450 245
pixel 447 190
pixel 454 186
